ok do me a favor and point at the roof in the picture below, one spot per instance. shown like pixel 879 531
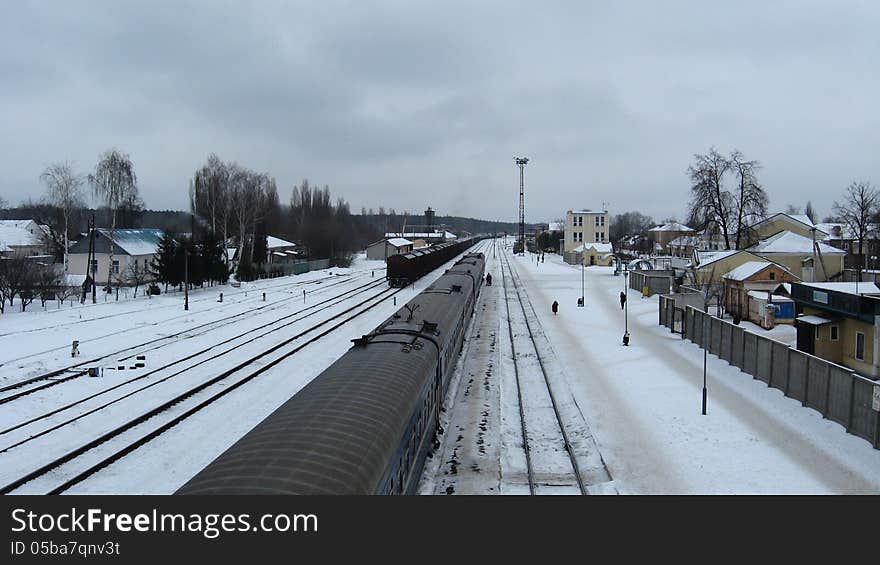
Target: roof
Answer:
pixel 599 247
pixel 672 226
pixel 422 235
pixel 846 287
pixel 792 243
pixel 272 242
pixel 144 241
pixel 19 233
pixel 762 295
pixel 399 241
pixel 799 218
pixel 588 211
pixel 813 320
pixel 746 270
pixel 555 226
pixel 708 257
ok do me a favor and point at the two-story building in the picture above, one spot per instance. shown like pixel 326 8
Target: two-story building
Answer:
pixel 584 226
pixel 840 322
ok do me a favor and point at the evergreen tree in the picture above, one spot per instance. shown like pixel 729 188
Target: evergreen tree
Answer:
pixel 165 265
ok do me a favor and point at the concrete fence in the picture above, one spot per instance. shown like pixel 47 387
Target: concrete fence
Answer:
pixel 656 281
pixel 838 393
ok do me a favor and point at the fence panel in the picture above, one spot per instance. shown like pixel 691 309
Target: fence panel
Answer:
pixel 839 394
pixel 698 327
pixel 726 337
pixel 864 420
pixel 764 361
pixel 736 354
pixel 750 353
pixel 797 374
pixel 715 338
pixel 779 374
pixel 817 389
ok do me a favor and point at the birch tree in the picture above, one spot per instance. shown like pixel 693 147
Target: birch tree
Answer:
pixel 114 182
pixel 64 192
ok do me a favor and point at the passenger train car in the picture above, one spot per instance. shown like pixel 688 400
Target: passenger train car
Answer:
pixel 366 424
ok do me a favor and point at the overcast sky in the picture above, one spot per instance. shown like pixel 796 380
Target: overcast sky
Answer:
pixel 409 104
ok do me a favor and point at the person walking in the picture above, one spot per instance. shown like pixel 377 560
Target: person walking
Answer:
pixel 622 299
pixel 488 279
pixel 555 307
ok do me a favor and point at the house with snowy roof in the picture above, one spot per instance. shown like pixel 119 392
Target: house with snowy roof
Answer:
pixel 385 248
pixel 131 248
pixel 797 253
pixel 754 281
pixel 591 253
pixel 660 236
pixel 838 322
pixel 280 250
pixel 23 237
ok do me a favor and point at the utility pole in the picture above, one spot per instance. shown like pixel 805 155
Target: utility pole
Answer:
pixel 92 261
pixel 185 278
pixel 521 163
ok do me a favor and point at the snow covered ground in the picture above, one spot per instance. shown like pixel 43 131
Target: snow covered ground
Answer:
pixel 643 402
pixel 242 326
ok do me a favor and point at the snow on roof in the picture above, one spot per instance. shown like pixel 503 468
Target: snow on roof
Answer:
pixel 272 242
pixel 790 242
pixel 598 246
pixel 588 211
pixel 672 226
pixel 135 242
pixel 801 218
pixel 708 257
pixel 762 295
pixel 399 241
pixel 846 287
pixel 814 320
pixel 746 270
pixel 422 235
pixel 555 226
pixel 17 232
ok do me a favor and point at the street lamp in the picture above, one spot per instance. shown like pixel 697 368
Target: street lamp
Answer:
pixel 583 286
pixel 705 352
pixel 625 309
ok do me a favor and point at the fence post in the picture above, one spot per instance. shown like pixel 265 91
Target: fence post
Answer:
pixel 806 384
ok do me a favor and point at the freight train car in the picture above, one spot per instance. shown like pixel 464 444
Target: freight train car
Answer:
pixel 405 268
pixel 366 424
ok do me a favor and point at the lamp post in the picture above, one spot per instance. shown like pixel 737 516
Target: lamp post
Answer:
pixel 625 309
pixel 705 353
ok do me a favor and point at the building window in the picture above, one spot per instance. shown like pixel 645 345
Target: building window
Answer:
pixel 597 221
pixel 115 266
pixel 860 346
pixel 603 220
pixel 818 332
pixel 834 331
pixel 772 276
pixel 580 221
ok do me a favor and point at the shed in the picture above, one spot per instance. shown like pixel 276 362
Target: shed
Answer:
pixel 385 248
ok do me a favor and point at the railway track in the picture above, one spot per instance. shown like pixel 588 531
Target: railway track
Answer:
pixel 544 433
pixel 278 324
pixel 75 370
pixel 103 451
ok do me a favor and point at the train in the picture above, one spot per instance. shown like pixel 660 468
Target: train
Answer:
pixel 367 423
pixel 405 268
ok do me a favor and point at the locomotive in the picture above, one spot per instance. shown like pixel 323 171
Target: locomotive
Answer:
pixel 366 424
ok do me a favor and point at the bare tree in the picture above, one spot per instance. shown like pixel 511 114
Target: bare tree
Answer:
pixel 114 181
pixel 750 200
pixel 859 207
pixel 810 212
pixel 16 279
pixel 64 192
pixel 136 275
pixel 710 203
pixel 47 282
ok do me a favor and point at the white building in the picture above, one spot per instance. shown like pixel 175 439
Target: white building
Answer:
pixel 585 226
pixel 23 237
pixel 280 250
pixel 130 247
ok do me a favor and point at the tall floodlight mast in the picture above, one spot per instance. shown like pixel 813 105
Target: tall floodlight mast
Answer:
pixel 521 163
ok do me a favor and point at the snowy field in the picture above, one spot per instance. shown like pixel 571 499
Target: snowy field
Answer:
pixel 182 350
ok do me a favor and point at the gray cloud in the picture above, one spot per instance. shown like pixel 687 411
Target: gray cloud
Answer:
pixel 406 105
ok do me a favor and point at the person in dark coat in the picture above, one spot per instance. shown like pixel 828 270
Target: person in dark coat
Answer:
pixel 488 279
pixel 555 307
pixel 622 299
